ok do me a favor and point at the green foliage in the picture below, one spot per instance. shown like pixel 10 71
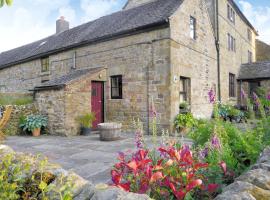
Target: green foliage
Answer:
pixel 8 2
pixel 25 177
pixel 184 105
pixel 230 112
pixel 239 150
pixel 86 120
pixel 33 122
pixel 184 121
pixel 15 100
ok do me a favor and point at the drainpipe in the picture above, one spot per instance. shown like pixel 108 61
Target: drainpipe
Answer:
pixel 218 49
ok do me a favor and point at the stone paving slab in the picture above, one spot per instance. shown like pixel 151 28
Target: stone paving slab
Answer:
pixel 85 155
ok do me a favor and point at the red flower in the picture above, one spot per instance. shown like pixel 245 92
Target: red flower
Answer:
pixel 193 184
pixel 156 176
pixel 212 188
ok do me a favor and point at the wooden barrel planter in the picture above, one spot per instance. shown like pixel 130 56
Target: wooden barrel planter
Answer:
pixel 110 131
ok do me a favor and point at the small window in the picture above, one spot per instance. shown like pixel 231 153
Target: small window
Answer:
pixel 250 55
pixel 116 87
pixel 231 43
pixel 249 35
pixel 232 85
pixel 231 14
pixel 45 64
pixel 193 28
pixel 185 89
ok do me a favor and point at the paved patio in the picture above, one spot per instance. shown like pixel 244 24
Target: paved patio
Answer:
pixel 85 155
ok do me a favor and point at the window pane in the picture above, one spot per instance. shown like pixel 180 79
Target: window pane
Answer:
pixel 115 92
pixel 116 87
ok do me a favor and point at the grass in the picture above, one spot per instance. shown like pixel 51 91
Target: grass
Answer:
pixel 15 100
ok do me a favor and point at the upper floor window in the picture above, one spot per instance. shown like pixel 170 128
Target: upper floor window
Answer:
pixel 231 43
pixel 232 85
pixel 45 66
pixel 192 25
pixel 230 13
pixel 249 35
pixel 250 56
pixel 116 87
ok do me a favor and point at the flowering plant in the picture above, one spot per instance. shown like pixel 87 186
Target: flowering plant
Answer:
pixel 175 174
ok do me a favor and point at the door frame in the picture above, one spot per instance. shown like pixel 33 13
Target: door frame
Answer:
pixel 102 98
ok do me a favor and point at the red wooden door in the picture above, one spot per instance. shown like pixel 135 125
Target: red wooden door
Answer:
pixel 97 102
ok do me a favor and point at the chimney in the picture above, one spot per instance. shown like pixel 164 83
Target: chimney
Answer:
pixel 61 25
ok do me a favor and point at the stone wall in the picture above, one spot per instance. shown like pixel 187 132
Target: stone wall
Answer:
pixel 194 59
pixel 252 185
pixel 12 128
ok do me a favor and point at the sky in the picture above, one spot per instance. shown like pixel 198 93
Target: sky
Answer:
pixel 30 20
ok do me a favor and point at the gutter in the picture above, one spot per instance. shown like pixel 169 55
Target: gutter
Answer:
pixel 50 87
pixel 218 50
pixel 160 24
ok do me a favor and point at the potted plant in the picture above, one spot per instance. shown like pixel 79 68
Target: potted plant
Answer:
pixel 184 107
pixel 86 122
pixel 183 122
pixel 34 123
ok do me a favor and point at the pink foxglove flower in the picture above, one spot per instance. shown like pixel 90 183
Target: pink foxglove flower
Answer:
pixel 153 112
pixel 243 93
pixel 256 99
pixel 215 142
pixel 212 96
pixel 268 96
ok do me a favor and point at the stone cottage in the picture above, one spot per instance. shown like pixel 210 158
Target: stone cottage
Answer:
pixel 254 75
pixel 166 50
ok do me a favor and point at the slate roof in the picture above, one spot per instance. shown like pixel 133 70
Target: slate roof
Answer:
pixel 120 23
pixel 66 79
pixel 258 70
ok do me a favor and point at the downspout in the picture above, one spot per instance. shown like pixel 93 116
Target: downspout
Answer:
pixel 148 85
pixel 218 49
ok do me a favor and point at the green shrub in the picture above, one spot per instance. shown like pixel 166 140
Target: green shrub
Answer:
pixel 184 121
pixel 86 120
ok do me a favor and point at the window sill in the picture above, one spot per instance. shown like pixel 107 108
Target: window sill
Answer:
pixel 45 73
pixel 232 98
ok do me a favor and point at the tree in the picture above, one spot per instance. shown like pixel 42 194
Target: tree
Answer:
pixel 3 2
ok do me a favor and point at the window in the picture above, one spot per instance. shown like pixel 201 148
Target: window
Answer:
pixel 116 87
pixel 45 67
pixel 192 27
pixel 231 43
pixel 250 55
pixel 231 85
pixel 231 14
pixel 185 89
pixel 249 35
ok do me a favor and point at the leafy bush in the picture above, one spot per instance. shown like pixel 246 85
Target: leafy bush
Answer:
pixel 33 122
pixel 176 174
pixel 183 121
pixel 24 177
pixel 86 120
pixel 239 149
pixel 228 112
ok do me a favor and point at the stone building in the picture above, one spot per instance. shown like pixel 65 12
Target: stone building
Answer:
pixel 252 76
pixel 168 51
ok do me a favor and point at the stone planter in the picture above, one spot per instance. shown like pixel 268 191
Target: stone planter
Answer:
pixel 110 131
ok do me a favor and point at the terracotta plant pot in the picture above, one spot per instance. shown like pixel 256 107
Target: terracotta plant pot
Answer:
pixel 36 132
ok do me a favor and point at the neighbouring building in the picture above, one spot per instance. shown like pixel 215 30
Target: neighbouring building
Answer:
pixel 253 76
pixel 262 51
pixel 161 51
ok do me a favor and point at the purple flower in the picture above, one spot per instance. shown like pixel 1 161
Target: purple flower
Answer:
pixel 212 96
pixel 243 94
pixel 268 96
pixel 215 142
pixel 139 139
pixel 256 99
pixel 203 153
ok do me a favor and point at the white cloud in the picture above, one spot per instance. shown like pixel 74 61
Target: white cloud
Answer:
pixel 259 17
pixel 94 9
pixel 30 20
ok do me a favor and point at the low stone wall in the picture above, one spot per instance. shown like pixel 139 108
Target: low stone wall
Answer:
pixel 252 185
pixel 12 128
pixel 81 188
